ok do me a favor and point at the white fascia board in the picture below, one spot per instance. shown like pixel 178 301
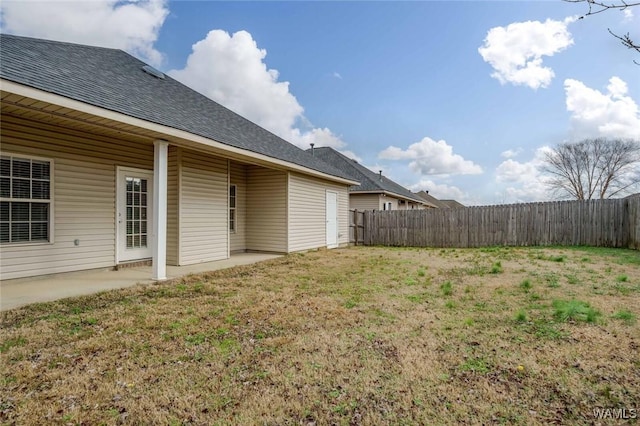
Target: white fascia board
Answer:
pixel 168 132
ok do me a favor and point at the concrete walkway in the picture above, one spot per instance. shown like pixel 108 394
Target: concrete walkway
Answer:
pixel 24 291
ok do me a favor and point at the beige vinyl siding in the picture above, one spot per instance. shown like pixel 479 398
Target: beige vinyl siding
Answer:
pixel 238 177
pixel 203 208
pixel 307 212
pixel 364 201
pixel 402 204
pixel 83 196
pixel 266 210
pixel 386 199
pixel 173 223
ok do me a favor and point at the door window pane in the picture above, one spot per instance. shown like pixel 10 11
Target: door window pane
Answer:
pixel 136 200
pixel 233 190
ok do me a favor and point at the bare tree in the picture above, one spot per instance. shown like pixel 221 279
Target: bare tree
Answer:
pixel 593 168
pixel 599 6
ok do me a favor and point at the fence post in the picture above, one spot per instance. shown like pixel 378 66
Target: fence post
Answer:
pixel 355 227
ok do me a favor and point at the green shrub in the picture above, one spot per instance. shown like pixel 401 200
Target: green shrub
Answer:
pixel 521 316
pixel 526 285
pixel 626 316
pixel 496 268
pixel 574 310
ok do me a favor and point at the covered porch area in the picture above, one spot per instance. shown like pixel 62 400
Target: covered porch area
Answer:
pixel 25 291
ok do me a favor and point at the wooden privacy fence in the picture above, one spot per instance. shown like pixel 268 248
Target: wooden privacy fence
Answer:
pixel 603 223
pixel 356 227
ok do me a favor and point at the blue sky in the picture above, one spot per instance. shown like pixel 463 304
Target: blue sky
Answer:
pixel 458 98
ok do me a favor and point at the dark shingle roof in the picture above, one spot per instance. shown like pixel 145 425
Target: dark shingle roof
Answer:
pixel 442 204
pixel 114 80
pixel 428 198
pixel 369 180
pixel 452 204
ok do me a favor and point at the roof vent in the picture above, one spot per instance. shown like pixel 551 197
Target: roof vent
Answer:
pixel 152 71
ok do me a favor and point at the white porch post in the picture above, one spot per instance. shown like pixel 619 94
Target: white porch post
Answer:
pixel 160 150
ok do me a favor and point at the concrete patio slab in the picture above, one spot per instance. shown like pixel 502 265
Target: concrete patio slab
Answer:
pixel 24 291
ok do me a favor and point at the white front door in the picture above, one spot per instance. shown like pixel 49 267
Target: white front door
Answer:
pixel 133 215
pixel 332 219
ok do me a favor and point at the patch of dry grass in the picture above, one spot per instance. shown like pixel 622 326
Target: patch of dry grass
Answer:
pixel 352 336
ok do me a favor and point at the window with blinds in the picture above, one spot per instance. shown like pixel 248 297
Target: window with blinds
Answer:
pixel 25 199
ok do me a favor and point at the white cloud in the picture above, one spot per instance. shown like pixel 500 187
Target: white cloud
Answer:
pixel 129 25
pixel 337 75
pixel 524 180
pixel 609 114
pixel 514 171
pixel 303 139
pixel 515 52
pixel 429 157
pixel 511 153
pixel 230 69
pixel 628 15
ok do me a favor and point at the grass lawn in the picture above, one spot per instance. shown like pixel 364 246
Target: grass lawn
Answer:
pixel 350 336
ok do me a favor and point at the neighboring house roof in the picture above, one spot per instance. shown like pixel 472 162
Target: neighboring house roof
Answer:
pixel 452 204
pixel 441 204
pixel 114 80
pixel 429 199
pixel 369 180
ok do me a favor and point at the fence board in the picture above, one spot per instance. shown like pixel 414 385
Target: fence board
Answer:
pixel 356 227
pixel 605 223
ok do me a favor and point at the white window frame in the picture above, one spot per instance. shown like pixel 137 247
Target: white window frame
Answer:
pixel 233 210
pixel 50 228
